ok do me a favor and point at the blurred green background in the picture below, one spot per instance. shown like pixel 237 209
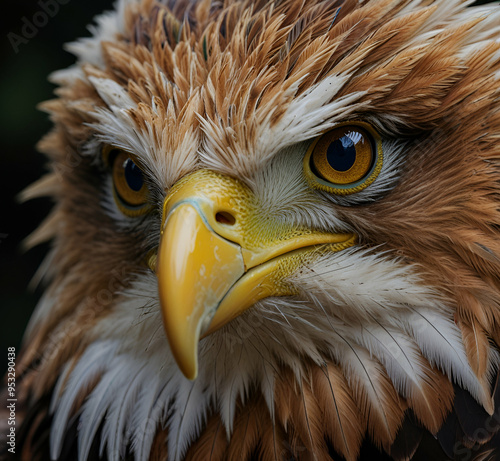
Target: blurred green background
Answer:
pixel 23 84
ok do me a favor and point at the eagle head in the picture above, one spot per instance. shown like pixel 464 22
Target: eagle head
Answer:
pixel 275 235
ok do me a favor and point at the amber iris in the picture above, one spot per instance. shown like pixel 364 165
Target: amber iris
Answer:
pixel 130 187
pixel 344 155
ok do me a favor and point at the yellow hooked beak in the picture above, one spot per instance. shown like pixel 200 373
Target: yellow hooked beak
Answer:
pixel 217 257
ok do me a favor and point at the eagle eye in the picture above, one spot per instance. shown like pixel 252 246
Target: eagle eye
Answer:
pixel 129 186
pixel 345 159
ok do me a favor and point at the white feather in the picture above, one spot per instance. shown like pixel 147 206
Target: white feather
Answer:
pixel 90 366
pixel 95 407
pixel 440 340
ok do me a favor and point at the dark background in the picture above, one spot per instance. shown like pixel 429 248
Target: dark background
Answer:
pixel 23 84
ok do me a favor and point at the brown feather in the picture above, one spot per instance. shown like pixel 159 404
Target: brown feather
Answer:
pixel 212 444
pixel 342 422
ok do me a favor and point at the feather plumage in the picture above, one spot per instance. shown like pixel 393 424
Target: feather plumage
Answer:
pixel 388 348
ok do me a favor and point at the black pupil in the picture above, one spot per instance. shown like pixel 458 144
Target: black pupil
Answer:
pixel 341 154
pixel 133 175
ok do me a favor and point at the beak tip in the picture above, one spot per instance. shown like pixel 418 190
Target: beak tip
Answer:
pixel 192 377
pixel 185 352
pixel 189 368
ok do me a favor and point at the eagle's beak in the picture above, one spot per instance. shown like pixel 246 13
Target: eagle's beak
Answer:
pixel 217 258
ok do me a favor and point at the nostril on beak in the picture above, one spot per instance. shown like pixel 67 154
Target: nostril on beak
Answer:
pixel 224 217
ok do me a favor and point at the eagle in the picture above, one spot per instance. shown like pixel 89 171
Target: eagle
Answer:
pixel 275 236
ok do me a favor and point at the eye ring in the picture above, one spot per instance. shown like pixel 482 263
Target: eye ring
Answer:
pixel 355 169
pixel 130 190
